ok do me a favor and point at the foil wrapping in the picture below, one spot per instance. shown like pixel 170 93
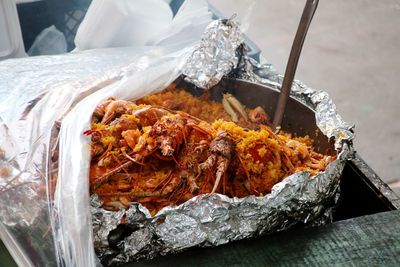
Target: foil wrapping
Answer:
pixel 216 55
pixel 214 219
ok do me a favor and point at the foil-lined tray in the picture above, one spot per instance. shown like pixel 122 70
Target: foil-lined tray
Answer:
pixel 215 219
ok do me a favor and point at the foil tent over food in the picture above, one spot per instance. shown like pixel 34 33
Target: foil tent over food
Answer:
pixel 215 219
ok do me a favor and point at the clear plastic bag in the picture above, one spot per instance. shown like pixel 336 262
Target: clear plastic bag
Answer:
pixel 45 105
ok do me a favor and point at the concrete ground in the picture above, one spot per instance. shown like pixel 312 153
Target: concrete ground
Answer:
pixel 352 52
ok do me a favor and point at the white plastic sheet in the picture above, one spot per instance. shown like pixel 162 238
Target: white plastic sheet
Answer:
pixel 116 23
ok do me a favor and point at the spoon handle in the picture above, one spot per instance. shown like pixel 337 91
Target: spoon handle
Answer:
pixel 291 66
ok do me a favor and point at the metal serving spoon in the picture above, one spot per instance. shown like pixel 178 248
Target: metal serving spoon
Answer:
pixel 291 66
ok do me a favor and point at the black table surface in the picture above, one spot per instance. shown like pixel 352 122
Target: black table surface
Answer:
pixel 372 240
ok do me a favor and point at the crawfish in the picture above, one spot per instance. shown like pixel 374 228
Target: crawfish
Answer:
pixel 163 139
pixel 259 116
pixel 111 108
pixel 181 182
pixel 148 116
pixel 200 147
pixel 186 170
pixel 221 151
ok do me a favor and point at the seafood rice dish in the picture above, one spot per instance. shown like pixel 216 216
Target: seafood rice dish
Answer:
pixel 166 148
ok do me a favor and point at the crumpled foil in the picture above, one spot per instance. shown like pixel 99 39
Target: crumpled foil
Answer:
pixel 215 219
pixel 216 55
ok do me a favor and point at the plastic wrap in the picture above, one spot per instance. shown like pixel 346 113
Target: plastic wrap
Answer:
pixel 76 247
pixel 27 141
pixel 45 105
pixel 35 93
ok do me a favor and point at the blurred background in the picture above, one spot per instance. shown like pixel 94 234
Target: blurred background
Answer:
pixel 351 52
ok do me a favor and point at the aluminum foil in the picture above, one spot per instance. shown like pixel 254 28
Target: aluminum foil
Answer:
pixel 214 219
pixel 216 55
